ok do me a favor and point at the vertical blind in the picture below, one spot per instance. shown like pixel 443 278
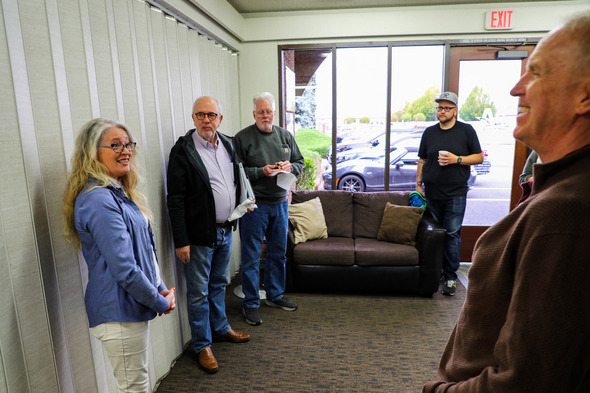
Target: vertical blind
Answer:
pixel 62 63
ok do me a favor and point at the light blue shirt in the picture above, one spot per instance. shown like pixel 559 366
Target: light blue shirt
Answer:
pixel 221 175
pixel 118 247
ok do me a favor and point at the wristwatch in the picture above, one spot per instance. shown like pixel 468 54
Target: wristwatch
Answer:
pixel 459 160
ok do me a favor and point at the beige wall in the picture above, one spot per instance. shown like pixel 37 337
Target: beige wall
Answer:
pixel 258 73
pixel 259 67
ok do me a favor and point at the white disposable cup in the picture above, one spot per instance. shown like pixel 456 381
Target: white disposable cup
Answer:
pixel 441 152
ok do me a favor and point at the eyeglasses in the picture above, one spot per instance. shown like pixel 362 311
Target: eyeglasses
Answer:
pixel 445 108
pixel 211 115
pixel 118 147
pixel 263 112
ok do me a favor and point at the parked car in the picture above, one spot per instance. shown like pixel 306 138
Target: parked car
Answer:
pixel 485 166
pixel 408 141
pixel 354 140
pixel 367 141
pixel 360 174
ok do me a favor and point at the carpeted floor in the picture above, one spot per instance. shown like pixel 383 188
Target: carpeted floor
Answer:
pixel 332 343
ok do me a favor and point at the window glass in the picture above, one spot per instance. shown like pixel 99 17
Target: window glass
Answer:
pixel 417 76
pixel 487 105
pixel 307 107
pixel 361 85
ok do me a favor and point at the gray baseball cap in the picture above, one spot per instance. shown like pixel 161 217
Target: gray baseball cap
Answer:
pixel 448 96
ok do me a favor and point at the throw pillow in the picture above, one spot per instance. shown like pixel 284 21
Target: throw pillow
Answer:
pixel 308 221
pixel 399 224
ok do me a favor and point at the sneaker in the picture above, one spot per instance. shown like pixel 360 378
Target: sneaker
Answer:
pixel 449 287
pixel 252 315
pixel 282 303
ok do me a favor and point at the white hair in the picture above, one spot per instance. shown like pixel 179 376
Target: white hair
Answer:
pixel 264 96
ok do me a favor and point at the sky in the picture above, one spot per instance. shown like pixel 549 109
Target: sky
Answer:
pixel 496 77
pixel 362 80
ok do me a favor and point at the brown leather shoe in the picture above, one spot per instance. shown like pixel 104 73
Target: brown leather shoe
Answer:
pixel 233 336
pixel 207 361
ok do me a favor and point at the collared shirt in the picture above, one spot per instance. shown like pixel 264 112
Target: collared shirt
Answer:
pixel 221 175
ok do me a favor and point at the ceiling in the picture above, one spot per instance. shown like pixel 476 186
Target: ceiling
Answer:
pixel 254 6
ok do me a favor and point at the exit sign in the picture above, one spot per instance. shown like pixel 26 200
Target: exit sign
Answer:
pixel 499 20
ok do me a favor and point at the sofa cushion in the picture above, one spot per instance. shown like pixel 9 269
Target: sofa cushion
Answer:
pixel 308 221
pixel 371 252
pixel 337 208
pixel 369 208
pixel 331 251
pixel 399 224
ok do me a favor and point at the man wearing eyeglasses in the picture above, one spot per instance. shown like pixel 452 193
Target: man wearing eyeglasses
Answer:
pixel 447 150
pixel 202 193
pixel 265 150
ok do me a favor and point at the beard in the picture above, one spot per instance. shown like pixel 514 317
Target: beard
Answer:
pixel 446 120
pixel 264 127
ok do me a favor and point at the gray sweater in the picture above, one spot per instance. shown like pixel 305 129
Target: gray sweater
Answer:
pixel 256 149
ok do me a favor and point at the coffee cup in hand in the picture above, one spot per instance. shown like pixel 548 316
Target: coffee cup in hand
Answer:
pixel 440 152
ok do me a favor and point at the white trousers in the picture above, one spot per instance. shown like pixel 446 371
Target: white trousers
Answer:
pixel 126 343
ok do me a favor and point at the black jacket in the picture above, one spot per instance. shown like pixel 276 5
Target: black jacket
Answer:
pixel 191 205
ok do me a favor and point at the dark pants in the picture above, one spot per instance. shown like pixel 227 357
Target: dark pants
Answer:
pixel 449 213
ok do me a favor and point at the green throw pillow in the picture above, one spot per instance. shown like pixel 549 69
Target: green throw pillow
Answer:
pixel 399 224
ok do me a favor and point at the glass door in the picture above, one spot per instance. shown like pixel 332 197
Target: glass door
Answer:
pixel 483 84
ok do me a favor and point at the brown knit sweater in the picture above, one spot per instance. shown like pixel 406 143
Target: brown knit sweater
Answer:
pixel 525 324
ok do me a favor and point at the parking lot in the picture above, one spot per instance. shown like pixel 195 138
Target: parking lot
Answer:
pixel 488 200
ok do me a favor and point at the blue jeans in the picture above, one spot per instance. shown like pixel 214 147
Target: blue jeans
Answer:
pixel 270 221
pixel 207 275
pixel 449 213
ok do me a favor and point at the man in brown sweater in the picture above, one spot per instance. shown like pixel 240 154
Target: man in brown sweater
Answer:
pixel 525 325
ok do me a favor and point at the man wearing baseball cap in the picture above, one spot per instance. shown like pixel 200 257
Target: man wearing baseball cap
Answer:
pixel 447 149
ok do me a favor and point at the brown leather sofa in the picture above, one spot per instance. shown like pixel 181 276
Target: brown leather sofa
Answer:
pixel 351 259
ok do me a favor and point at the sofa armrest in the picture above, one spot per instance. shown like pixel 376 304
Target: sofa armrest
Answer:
pixel 430 240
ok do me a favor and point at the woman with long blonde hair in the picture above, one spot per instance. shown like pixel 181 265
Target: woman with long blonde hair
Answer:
pixel 108 219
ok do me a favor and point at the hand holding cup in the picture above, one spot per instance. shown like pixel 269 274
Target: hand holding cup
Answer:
pixel 443 158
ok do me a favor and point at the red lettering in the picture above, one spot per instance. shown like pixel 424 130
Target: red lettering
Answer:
pixel 499 19
pixel 494 19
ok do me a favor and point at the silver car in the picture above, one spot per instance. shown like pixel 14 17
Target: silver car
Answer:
pixel 363 174
pixel 410 142
pixel 374 140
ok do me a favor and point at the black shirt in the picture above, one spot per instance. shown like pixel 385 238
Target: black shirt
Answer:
pixel 444 182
